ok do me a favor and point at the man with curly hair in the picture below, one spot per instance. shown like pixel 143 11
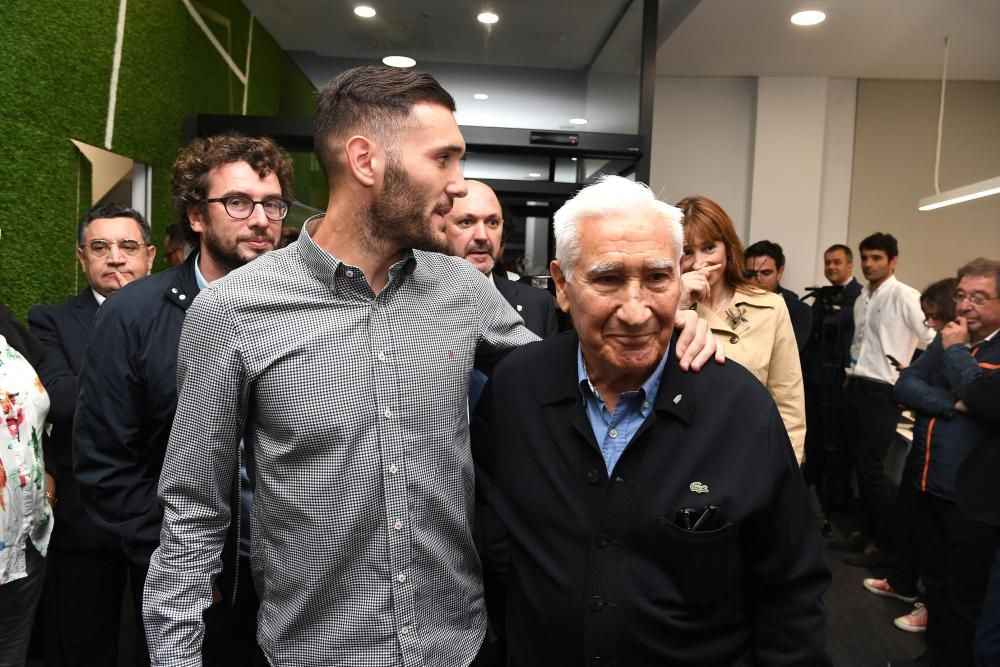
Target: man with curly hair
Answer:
pixel 231 193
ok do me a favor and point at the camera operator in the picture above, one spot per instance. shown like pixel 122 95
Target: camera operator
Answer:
pixel 824 361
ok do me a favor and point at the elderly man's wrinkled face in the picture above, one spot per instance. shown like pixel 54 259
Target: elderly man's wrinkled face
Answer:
pixel 623 296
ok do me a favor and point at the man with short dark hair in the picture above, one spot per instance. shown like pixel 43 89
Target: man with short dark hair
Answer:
pixel 765 264
pixel 956 547
pixel 231 193
pixel 86 568
pixel 889 325
pixel 175 245
pixel 636 535
pixel 343 361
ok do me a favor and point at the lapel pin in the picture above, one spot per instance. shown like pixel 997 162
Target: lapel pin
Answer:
pixel 519 308
pixel 677 399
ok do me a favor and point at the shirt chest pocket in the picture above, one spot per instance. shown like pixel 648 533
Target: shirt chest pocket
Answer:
pixel 704 566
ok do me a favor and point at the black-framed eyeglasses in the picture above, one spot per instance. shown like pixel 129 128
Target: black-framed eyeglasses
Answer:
pixel 977 298
pixel 101 248
pixel 241 207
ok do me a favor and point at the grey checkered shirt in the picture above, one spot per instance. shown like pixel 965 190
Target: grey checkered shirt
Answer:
pixel 353 410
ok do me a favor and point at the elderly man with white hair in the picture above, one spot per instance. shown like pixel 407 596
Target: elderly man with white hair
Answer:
pixel 653 516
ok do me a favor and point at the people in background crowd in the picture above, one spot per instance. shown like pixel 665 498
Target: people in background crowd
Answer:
pixel 888 328
pixel 637 536
pixel 343 362
pixel 826 356
pixel 938 304
pixel 956 549
pixel 26 491
pixel 86 571
pixel 289 234
pixel 231 193
pixel 765 266
pixel 751 324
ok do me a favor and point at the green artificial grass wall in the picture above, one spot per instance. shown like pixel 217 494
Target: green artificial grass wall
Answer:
pixel 54 85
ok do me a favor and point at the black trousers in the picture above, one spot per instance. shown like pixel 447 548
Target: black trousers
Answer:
pixel 957 554
pixel 82 606
pixel 872 416
pixel 907 529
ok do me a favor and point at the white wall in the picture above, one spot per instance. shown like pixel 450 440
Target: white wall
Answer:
pixel 776 154
pixel 703 142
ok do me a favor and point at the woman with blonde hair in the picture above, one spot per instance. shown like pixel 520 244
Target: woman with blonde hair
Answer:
pixel 752 325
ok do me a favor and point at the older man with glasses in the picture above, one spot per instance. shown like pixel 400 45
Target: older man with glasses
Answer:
pixel 86 568
pixel 956 547
pixel 231 193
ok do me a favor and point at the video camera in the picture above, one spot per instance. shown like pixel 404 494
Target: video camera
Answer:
pixel 829 297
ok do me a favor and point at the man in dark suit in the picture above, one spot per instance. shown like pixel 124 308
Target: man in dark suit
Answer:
pixel 86 567
pixel 765 265
pixel 825 358
pixel 475 231
pixel 636 535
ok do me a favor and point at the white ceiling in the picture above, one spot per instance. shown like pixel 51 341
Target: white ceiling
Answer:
pixel 875 39
pixel 860 38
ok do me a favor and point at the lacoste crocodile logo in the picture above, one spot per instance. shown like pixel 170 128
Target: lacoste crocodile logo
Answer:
pixel 698 487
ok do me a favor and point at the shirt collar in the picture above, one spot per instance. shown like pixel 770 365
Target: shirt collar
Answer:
pixel 648 389
pixel 98 296
pixel 200 279
pixel 325 266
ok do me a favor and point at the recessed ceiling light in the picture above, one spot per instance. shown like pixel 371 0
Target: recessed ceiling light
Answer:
pixel 398 61
pixel 481 96
pixel 573 159
pixel 578 121
pixel 488 18
pixel 364 12
pixel 534 174
pixel 808 17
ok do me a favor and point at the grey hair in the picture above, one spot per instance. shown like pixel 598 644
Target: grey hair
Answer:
pixel 611 196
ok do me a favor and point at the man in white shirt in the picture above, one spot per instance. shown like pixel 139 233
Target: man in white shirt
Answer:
pixel 888 326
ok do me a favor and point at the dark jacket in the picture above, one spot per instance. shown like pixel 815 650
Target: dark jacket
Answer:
pixel 535 306
pixel 801 316
pixel 63 330
pixel 942 437
pixel 20 339
pixel 128 395
pixel 978 490
pixel 598 568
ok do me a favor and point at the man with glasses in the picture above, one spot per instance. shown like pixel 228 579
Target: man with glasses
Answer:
pixel 86 569
pixel 765 265
pixel 956 550
pixel 231 193
pixel 888 326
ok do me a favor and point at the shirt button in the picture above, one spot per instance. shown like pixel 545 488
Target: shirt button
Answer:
pixel 613 433
pixel 387 413
pixel 401 578
pixel 645 404
pixel 405 630
pixel 593 477
pixel 398 525
pixel 393 469
pixel 381 356
pixel 349 274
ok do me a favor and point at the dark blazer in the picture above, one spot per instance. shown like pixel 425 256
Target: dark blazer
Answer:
pixel 978 494
pixel 126 405
pixel 801 316
pixel 598 568
pixel 19 338
pixel 63 330
pixel 535 306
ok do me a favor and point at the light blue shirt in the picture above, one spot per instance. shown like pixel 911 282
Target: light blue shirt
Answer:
pixel 614 431
pixel 246 493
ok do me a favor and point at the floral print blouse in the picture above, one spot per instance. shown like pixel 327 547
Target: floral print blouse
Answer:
pixel 24 511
